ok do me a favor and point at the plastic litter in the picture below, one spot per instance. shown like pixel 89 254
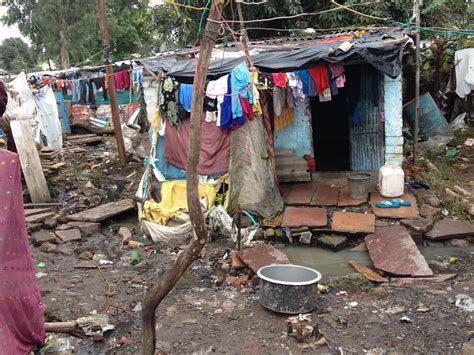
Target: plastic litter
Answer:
pixel 96 324
pixel 465 302
pixel 55 344
pixel 41 264
pixel 459 122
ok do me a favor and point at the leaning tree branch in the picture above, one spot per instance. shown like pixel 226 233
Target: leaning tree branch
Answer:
pixel 158 291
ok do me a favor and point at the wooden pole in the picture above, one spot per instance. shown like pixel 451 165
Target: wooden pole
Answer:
pixel 417 83
pixel 157 292
pixel 110 80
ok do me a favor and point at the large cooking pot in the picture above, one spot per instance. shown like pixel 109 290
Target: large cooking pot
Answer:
pixel 290 289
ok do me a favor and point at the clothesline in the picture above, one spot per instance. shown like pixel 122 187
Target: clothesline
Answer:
pixel 96 77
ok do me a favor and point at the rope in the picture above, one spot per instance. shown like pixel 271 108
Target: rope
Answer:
pixel 357 12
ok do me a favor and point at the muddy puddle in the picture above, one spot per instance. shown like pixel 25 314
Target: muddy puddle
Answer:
pixel 331 264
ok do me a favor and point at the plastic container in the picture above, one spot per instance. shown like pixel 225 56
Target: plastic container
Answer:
pixel 290 289
pixel 391 180
pixel 359 186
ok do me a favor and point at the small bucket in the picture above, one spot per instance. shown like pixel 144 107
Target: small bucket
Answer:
pixel 359 186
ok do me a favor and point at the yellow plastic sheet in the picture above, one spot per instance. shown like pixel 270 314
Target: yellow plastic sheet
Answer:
pixel 173 200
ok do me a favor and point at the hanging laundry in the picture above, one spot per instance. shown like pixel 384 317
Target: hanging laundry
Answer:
pixel 240 85
pixel 169 100
pixel 137 75
pixel 86 92
pixel 296 86
pixel 215 146
pixel 338 73
pixel 216 90
pixel 356 117
pixel 265 81
pixel 325 96
pixel 100 84
pixel 319 74
pixel 257 108
pixel 279 100
pixel 279 79
pixel 185 96
pixel 122 80
pixel 247 109
pixel 76 91
pixel 464 67
pixel 226 107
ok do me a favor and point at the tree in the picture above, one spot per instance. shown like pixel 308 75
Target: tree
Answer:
pixel 15 55
pixel 68 30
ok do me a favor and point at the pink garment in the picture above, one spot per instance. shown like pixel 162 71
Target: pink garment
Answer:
pixel 215 147
pixel 279 79
pixel 122 80
pixel 337 72
pixel 21 309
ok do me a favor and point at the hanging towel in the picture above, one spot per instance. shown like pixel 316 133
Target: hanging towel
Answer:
pixel 296 86
pixel 320 76
pixel 464 64
pixel 240 84
pixel 216 89
pixel 185 96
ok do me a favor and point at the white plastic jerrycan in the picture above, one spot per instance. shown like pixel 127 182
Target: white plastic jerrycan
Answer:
pixel 391 180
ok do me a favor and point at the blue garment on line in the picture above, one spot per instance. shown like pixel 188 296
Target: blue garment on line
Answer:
pixel 309 87
pixel 241 79
pixel 226 107
pixel 185 96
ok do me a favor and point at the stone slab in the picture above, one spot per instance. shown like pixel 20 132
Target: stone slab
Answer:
pixel 304 216
pixel 333 242
pixel 393 250
pixel 300 194
pixel 325 195
pixel 69 235
pixel 86 228
pixel 402 281
pixel 345 199
pixel 103 212
pixel 39 217
pixel 262 255
pixel 352 222
pixel 401 212
pixel 449 228
pixel 420 225
pixel 43 236
pixel 426 211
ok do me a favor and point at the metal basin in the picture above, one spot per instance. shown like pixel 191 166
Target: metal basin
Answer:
pixel 289 289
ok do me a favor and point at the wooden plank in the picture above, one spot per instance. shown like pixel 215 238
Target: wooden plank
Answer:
pixel 30 161
pixel 33 211
pixel 103 212
pixel 367 273
pixel 81 136
pixel 40 217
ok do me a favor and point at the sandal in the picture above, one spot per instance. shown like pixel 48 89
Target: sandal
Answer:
pixel 401 202
pixel 388 204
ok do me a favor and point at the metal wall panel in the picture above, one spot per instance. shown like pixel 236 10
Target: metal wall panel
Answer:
pixel 366 140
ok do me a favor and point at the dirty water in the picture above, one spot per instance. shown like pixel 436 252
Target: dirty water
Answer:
pixel 332 264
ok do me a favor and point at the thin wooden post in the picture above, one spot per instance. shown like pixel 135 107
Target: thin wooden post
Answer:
pixel 109 72
pixel 157 292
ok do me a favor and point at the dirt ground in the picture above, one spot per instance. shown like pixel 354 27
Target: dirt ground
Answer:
pixel 203 314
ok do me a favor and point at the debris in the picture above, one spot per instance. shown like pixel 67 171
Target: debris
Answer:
pixel 465 302
pixel 65 249
pixel 60 327
pixel 322 288
pixel 367 273
pixel 396 310
pixel 262 255
pixel 96 324
pixel 393 250
pixel 50 223
pixel 103 212
pixel 449 228
pixel 460 243
pixel 400 281
pixel 220 224
pixel 352 222
pixel 405 319
pixel 321 342
pixel 40 275
pixel 41 264
pixel 422 308
pixel 351 283
pixel 333 242
pixel 55 344
pixel 469 142
pixel 135 257
pixel 133 244
pixel 86 264
pixel 452 260
pixel 462 191
pixel 451 153
pixel 305 238
pixel 48 247
pixel 237 263
pixel 353 304
pixel 361 247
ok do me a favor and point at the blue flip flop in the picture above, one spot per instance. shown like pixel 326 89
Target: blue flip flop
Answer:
pixel 388 204
pixel 402 202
